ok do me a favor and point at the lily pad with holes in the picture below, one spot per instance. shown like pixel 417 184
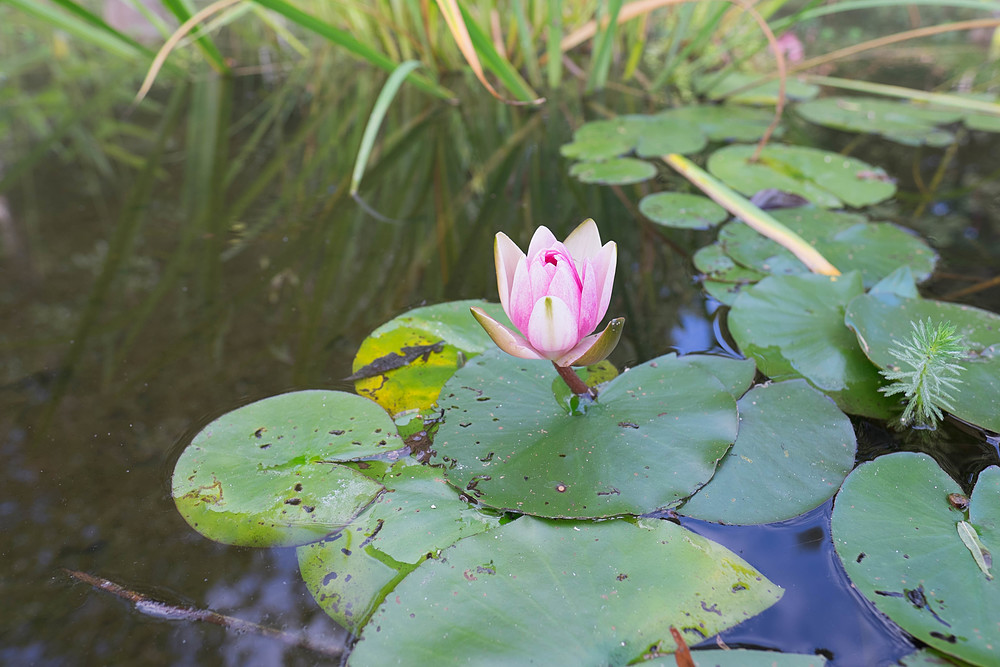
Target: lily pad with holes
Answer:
pixel 733 87
pixel 653 437
pixel 269 473
pixel 790 435
pixel 849 241
pixel 403 364
pixel 682 210
pixel 793 326
pixel 898 121
pixel 899 539
pixel 350 572
pixel 564 593
pixel 882 319
pixel 826 179
pixel 616 171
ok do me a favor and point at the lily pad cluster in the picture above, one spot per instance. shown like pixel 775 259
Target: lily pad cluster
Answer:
pixel 403 534
pixel 602 147
pixel 906 123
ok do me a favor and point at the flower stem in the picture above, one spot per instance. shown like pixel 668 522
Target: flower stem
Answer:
pixel 573 381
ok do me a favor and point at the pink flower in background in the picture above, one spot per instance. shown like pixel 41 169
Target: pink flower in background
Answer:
pixel 790 44
pixel 555 296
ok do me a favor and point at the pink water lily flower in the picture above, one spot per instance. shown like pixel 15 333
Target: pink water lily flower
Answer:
pixel 555 296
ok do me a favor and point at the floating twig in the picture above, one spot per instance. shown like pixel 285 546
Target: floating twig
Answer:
pixel 164 610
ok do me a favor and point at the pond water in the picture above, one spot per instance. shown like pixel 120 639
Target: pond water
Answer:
pixel 142 299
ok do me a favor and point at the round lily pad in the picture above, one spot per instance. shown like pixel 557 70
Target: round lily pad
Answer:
pixel 849 241
pixel 897 121
pixel 563 593
pixel 603 139
pixel 653 436
pixel 724 279
pixel 617 171
pixel 794 437
pixel 824 178
pixel 350 572
pixel 403 364
pixel 666 132
pixel 918 557
pixel 267 474
pixel 793 326
pixel 727 122
pixel 882 321
pixel 725 87
pixel 742 657
pixel 682 210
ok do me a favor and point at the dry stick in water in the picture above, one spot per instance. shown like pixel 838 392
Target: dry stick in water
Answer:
pixel 159 609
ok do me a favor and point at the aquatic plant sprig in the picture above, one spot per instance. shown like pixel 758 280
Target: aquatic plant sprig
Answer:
pixel 927 372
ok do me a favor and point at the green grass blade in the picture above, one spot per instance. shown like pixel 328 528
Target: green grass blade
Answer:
pixel 554 65
pixel 940 99
pixel 203 40
pixel 75 22
pixel 345 40
pixel 527 44
pixel 385 98
pixel 600 64
pixel 495 62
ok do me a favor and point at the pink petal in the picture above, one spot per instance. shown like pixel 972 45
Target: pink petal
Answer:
pixel 604 273
pixel 540 275
pixel 507 340
pixel 506 255
pixel 590 301
pixel 565 286
pixel 552 329
pixel 542 238
pixel 585 241
pixel 518 307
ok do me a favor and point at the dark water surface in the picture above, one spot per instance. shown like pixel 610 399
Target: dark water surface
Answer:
pixel 139 304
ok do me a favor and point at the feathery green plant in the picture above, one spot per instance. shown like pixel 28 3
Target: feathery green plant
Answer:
pixel 926 372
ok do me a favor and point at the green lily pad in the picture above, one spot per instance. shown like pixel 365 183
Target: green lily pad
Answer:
pixel 899 540
pixel 563 593
pixel 793 326
pixel 403 364
pixel 350 572
pixel 926 657
pixel 654 435
pixel 267 474
pixel 666 132
pixel 983 122
pixel 849 241
pixel 790 435
pixel 616 171
pixel 718 88
pixel 736 375
pixel 604 139
pixel 682 210
pixel 897 121
pixel 824 178
pixel 882 319
pixel 727 122
pixel 723 278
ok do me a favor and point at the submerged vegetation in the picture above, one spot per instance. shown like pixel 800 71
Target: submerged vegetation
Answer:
pixel 456 483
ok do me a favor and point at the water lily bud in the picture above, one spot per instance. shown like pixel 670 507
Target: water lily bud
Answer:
pixel 555 295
